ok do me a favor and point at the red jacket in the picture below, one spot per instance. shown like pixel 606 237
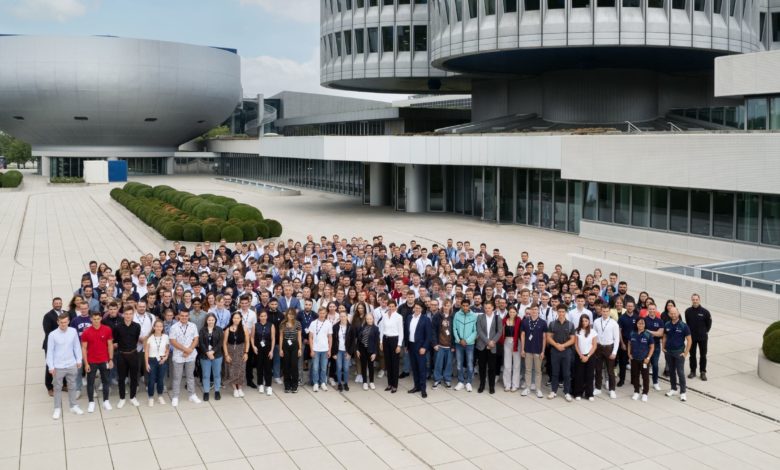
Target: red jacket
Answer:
pixel 515 334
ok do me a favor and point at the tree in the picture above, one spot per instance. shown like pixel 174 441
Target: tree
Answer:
pixel 14 150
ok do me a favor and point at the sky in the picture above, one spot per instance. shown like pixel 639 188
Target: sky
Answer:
pixel 278 40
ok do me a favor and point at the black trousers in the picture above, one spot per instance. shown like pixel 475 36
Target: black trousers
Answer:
pixel 622 359
pixel 264 365
pixel 583 377
pixel 487 360
pixel 419 366
pixel 290 365
pixel 366 364
pixel 391 360
pixel 127 366
pixel 250 367
pixel 701 344
pixel 94 368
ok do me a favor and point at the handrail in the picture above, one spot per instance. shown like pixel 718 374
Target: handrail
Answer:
pixel 674 127
pixel 632 128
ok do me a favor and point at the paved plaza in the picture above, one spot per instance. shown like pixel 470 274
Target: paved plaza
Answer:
pixel 49 234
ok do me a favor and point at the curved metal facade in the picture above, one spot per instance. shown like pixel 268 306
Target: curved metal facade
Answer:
pixel 113 92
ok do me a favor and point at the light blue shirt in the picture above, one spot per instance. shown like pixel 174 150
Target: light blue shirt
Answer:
pixel 63 349
pixel 223 316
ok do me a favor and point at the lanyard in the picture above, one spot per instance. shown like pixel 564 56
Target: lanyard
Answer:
pixel 183 330
pixel 317 329
pixel 262 332
pixel 158 343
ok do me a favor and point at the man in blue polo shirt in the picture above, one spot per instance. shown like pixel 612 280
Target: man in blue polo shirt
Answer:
pixel 655 326
pixel 627 324
pixel 676 344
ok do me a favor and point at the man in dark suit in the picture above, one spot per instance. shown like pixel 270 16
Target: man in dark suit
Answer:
pixel 488 334
pixel 288 301
pixel 49 325
pixel 418 335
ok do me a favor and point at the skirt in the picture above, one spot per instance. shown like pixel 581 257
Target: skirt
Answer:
pixel 236 370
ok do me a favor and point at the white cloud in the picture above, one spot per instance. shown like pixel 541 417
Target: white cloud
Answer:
pixel 305 11
pixel 270 75
pixel 59 10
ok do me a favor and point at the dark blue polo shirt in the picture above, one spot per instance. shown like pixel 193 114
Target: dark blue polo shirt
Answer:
pixel 654 324
pixel 534 333
pixel 675 336
pixel 640 345
pixel 627 325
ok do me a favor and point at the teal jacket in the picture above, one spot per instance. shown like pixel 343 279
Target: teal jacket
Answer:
pixel 464 326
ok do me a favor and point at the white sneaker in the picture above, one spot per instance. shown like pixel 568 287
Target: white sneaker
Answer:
pixel 91 407
pixel 635 396
pixel 316 387
pixel 134 401
pixel 261 388
pixel 174 402
pixel 278 380
pixel 539 394
pixel 194 398
pixel 578 398
pixel 241 392
pixel 513 389
pixel 161 400
pixel 381 373
pixel 235 393
pixel 107 405
pixel 552 395
pixel 268 392
pixel 372 386
pixel 57 413
pixel 591 399
pixel 459 387
pixel 324 388
pixel 468 387
pixel 567 397
pixel 596 392
pixel 365 386
pixel 683 397
pixel 332 382
pixel 76 410
pixel 151 402
pixel 644 397
pixel 657 387
pixel 612 394
pixel 120 404
pixel 525 392
pixel 671 393
pixel 359 379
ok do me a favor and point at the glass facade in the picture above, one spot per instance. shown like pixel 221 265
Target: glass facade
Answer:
pixel 74 166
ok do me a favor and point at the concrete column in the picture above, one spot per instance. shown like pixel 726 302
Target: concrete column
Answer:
pixel 169 162
pixel 379 186
pixel 46 166
pixel 416 188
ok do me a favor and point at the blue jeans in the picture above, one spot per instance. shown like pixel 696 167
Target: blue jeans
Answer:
pixel 465 377
pixel 277 367
pixel 654 362
pixel 319 367
pixel 442 368
pixel 342 368
pixel 209 366
pixel 156 378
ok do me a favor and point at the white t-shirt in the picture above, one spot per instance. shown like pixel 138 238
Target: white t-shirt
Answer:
pixel 157 346
pixel 321 330
pixel 184 335
pixel 585 342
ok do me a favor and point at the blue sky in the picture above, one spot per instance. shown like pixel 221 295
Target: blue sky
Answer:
pixel 277 39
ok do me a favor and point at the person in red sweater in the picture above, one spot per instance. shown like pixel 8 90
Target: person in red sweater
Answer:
pixel 97 346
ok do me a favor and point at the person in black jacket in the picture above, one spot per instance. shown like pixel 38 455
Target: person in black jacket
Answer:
pixel 49 325
pixel 211 354
pixel 343 348
pixel 367 340
pixel 699 321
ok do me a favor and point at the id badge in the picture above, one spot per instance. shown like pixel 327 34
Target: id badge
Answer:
pixel 210 347
pixel 530 337
pixel 447 332
pixel 289 342
pixel 262 344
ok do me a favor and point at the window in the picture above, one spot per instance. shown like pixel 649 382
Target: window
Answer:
pixel 574 206
pixel 506 195
pixel 387 39
pixel 420 38
pixel 655 3
pixel 717 6
pixel 338 5
pixel 698 5
pixel 590 203
pixel 490 7
pixel 606 3
pixel 510 6
pixel 373 40
pixel 732 7
pixel 531 5
pixel 472 8
pixel 770 220
pixel 605 202
pixel 533 197
pixel 640 206
pixel 404 38
pixel 348 42
pixel 446 9
pixel 348 4
pixel 458 10
pixel 700 212
pixel 757 114
pixel 388 3
pixel 559 203
pixel 678 210
pixel 631 3
pixel 723 215
pixel 556 4
pixel 338 44
pixel 622 204
pixel 775 27
pixel 521 204
pixel 659 208
pixel 678 4
pixel 359 41
pixel 747 217
pixel 761 26
pixel 774 113
pixel 360 3
pixel 574 3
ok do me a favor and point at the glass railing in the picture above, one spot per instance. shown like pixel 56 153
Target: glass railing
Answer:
pixel 728 116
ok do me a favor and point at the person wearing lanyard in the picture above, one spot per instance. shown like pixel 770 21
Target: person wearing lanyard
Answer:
pixel 321 339
pixel 305 318
pixel 640 349
pixel 184 339
pixel 97 346
pixel 655 326
pixel 532 344
pixel 419 338
pixel 443 346
pixel 248 318
pixel 608 333
pixel 145 320
pixel 126 336
pixel 236 348
pixel 291 350
pixel 156 357
pixel 343 348
pixel 211 355
pixel 585 345
pixel 263 340
pixel 676 343
pixel 391 337
pixel 627 324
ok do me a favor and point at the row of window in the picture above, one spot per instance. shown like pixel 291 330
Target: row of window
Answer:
pixel 337 6
pixel 758 114
pixel 401 38
pixel 337 128
pixel 74 166
pixel 774 27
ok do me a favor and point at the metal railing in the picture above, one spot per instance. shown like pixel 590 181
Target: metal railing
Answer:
pixel 674 127
pixel 631 127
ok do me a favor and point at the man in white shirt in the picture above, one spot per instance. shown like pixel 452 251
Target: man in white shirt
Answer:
pixel 320 338
pixel 249 319
pixel 184 339
pixel 606 350
pixel 146 321
pixel 578 311
pixel 391 337
pixel 524 303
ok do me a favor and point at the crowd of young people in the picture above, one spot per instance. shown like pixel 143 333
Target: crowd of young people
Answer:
pixel 335 312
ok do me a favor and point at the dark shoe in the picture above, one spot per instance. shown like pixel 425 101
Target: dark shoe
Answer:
pixel 393 390
pixel 692 375
pixel 436 385
pixel 286 390
pixel 206 396
pixel 424 394
pixel 492 390
pixel 481 388
pixel 341 388
pixel 448 384
pixel 621 383
pixel 295 390
pixel 414 390
pixel 666 373
pixel 403 375
pixel 704 376
pixel 251 385
pixel 388 388
pixel 217 396
pixel 346 387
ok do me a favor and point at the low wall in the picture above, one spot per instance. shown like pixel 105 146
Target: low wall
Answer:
pixel 768 371
pixel 742 302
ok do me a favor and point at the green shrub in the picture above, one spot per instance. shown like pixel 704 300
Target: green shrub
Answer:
pixel 274 228
pixel 212 233
pixel 773 327
pixel 157 190
pixel 66 180
pixel 245 212
pixel 172 231
pixel 137 188
pixel 249 230
pixel 192 232
pixel 144 192
pixel 262 229
pixel 190 204
pixel 232 234
pixel 211 210
pixel 12 179
pixel 1 180
pixel 771 346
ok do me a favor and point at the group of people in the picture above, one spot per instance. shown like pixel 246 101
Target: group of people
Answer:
pixel 336 311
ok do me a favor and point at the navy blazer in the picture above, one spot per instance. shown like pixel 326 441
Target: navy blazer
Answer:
pixel 423 334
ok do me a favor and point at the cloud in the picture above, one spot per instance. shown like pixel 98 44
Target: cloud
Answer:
pixel 305 11
pixel 58 10
pixel 270 75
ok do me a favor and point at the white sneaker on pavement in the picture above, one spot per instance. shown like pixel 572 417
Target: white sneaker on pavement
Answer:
pixel 359 379
pixel 324 388
pixel 261 388
pixel 161 400
pixel 365 386
pixel 459 387
pixel 683 397
pixel 591 399
pixel 635 396
pixel 57 413
pixel 596 392
pixel 278 380
pixel 175 402
pixel 134 401
pixel 316 387
pixel 671 393
pixel 372 386
pixel 552 395
pixel 91 407
pixel 332 382
pixel 76 410
pixel 567 397
pixel 525 392
pixel 612 394
pixel 241 392
pixel 268 392
pixel 539 394
pixel 657 387
pixel 468 387
pixel 235 393
pixel 107 405
pixel 381 373
pixel 120 404
pixel 151 402
pixel 644 397
pixel 194 398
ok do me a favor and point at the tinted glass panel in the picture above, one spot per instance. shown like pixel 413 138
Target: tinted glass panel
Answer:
pixel 700 212
pixel 622 204
pixel 640 212
pixel 678 210
pixel 747 217
pixel 723 215
pixel 605 201
pixel 659 208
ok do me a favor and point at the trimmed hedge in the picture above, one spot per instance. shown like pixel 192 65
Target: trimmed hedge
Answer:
pixel 771 346
pixel 773 327
pixel 180 215
pixel 11 179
